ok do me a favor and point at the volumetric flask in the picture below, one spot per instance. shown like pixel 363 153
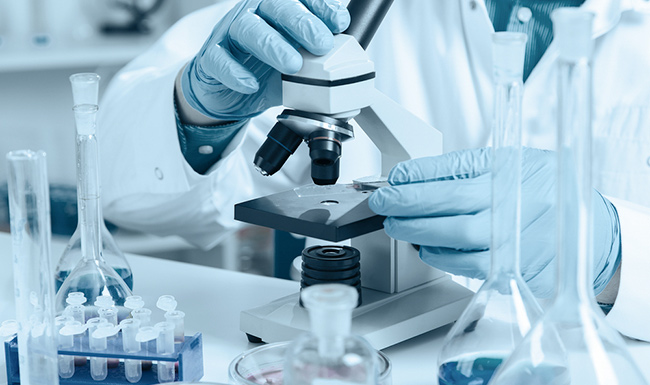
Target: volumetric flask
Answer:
pixel 504 309
pixel 85 88
pixel 29 209
pixel 92 276
pixel 330 354
pixel 572 344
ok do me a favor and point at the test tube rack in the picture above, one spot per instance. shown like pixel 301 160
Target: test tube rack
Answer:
pixel 188 355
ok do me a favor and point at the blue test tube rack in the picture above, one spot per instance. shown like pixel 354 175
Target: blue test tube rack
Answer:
pixel 188 355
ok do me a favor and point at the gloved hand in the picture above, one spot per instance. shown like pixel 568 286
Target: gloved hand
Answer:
pixel 443 203
pixel 236 74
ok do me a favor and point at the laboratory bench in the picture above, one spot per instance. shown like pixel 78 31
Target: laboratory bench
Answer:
pixel 213 298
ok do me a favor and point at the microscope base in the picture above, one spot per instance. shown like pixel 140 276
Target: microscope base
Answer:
pixel 382 319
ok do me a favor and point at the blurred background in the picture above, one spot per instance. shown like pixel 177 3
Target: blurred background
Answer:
pixel 43 42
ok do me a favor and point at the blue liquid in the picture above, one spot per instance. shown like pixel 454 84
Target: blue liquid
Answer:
pixel 542 374
pixel 482 369
pixel 125 274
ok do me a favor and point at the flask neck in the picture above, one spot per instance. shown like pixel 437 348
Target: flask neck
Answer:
pixel 331 327
pixel 575 242
pixel 88 196
pixel 506 174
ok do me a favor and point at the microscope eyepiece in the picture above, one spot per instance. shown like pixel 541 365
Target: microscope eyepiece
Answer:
pixel 280 143
pixel 325 152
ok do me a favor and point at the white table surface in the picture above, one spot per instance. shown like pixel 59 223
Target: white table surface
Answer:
pixel 213 298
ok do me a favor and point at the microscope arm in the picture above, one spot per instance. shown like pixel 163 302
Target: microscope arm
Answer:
pixel 398 134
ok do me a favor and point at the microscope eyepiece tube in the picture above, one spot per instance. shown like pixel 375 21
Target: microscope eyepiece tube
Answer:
pixel 280 144
pixel 325 152
pixel 366 16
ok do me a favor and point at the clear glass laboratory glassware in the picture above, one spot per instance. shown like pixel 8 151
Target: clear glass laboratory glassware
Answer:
pixel 165 345
pixel 264 365
pixel 92 276
pixel 85 87
pixel 503 309
pixel 29 211
pixel 572 344
pixel 330 354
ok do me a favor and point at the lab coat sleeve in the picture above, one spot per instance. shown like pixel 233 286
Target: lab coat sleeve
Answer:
pixel 147 184
pixel 631 311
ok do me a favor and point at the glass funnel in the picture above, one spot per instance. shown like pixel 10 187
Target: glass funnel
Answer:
pixel 85 88
pixel 504 309
pixel 92 276
pixel 572 344
pixel 330 354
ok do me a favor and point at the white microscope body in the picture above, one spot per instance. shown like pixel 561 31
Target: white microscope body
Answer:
pixel 402 296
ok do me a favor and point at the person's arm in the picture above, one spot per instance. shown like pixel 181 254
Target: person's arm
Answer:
pixel 236 74
pixel 186 113
pixel 147 183
pixel 443 204
pixel 202 138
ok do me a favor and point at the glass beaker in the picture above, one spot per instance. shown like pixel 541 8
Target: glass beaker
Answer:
pixel 573 343
pixel 92 276
pixel 85 87
pixel 503 309
pixel 29 210
pixel 330 354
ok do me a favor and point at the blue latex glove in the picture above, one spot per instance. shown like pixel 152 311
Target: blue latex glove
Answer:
pixel 443 203
pixel 236 74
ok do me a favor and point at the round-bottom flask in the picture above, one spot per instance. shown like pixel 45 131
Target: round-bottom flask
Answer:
pixel 330 354
pixel 111 254
pixel 94 278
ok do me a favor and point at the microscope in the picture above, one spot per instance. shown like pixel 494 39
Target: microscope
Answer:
pixel 402 296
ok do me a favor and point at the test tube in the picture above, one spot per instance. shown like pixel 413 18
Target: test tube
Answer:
pixel 75 308
pixel 177 318
pixel 165 345
pixel 91 325
pixel 130 344
pixel 143 315
pixel 66 363
pixel 97 343
pixel 29 210
pixel 109 314
pixel 77 312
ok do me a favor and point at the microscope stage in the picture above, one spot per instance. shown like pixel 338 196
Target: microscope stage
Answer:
pixel 333 213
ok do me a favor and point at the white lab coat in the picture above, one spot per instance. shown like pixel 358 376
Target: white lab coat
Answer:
pixel 432 57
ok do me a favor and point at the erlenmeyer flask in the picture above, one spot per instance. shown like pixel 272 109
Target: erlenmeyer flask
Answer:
pixel 572 344
pixel 85 88
pixel 504 309
pixel 92 276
